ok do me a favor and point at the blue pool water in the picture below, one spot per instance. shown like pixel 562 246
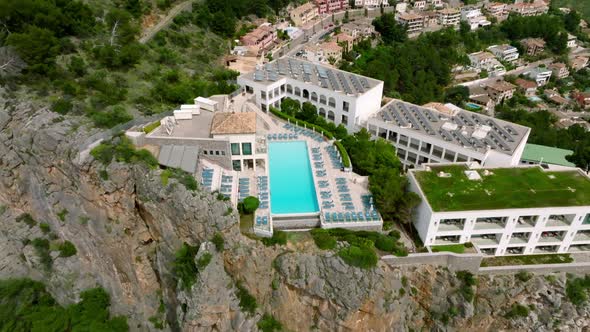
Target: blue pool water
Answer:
pixel 291 183
pixel 474 106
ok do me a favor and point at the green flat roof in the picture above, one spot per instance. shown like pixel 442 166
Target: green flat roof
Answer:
pixel 504 188
pixel 547 154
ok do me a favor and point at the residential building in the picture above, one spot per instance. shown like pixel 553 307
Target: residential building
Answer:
pixel 504 52
pixel 303 14
pixel 480 97
pixel 430 20
pixel 559 70
pixel 436 133
pixel 556 98
pixel 419 4
pixel 341 97
pixel 502 211
pixel 533 46
pixel 572 41
pixel 371 3
pixel 486 61
pixel 582 98
pixel 528 9
pixel 546 156
pixel 497 9
pixel 262 37
pixel 437 4
pixel 330 6
pixel 526 87
pixel 345 40
pixel 327 52
pixel 449 17
pixel 358 30
pixel 541 75
pixel 500 90
pixel 413 22
pixel 579 62
pixel 474 17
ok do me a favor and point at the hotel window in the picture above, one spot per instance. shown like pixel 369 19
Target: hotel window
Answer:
pixel 461 158
pixel 345 119
pixel 414 144
pixel 237 165
pixel 235 149
pixel 345 106
pixel 323 100
pixel 263 107
pixel 217 153
pixel 297 92
pixel 411 157
pixel 392 136
pixel 401 154
pixel 246 149
pixel 283 88
pixel 314 96
pixel 437 151
pixel 422 160
pixel 332 102
pixel 403 140
pixel 204 151
pixel 425 147
pixel 276 94
pixel 450 155
pixel 263 95
pixel 289 89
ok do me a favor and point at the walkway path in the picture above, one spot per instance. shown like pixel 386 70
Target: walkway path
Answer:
pixel 151 32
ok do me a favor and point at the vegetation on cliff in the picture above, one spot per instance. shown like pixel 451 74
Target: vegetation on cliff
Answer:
pixel 25 305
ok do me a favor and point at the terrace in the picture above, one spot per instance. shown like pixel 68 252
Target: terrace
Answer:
pixel 520 238
pixel 582 236
pixel 448 188
pixel 560 220
pixel 486 239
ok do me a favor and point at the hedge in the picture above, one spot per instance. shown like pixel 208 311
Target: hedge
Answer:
pixel 343 153
pixel 293 119
pixel 150 127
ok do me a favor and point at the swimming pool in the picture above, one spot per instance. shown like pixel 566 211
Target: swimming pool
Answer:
pixel 473 106
pixel 291 183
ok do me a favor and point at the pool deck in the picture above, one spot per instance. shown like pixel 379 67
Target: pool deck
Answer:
pixel 327 176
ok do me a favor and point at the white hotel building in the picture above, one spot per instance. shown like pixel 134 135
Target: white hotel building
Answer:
pixel 509 226
pixel 340 97
pixel 447 134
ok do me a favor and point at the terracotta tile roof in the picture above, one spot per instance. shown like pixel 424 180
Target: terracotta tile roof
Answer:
pixel 526 84
pixel 501 86
pixel 233 123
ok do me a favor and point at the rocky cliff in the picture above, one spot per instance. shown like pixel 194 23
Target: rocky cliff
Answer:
pixel 127 225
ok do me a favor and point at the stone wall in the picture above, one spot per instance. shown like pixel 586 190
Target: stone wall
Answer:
pixel 578 268
pixel 452 261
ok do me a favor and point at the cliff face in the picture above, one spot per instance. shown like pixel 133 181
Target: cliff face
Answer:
pixel 127 228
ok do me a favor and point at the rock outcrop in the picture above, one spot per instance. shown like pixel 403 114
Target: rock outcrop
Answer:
pixel 127 225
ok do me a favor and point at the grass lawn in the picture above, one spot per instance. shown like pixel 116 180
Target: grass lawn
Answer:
pixel 527 260
pixel 503 189
pixel 582 6
pixel 456 248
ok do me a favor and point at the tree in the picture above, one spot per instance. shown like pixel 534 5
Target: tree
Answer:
pixel 457 94
pixel 10 62
pixel 390 30
pixel 571 21
pixel 37 46
pixel 250 204
pixel 290 106
pixel 308 112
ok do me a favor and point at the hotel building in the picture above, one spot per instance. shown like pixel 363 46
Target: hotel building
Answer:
pixel 340 97
pixel 446 133
pixel 503 211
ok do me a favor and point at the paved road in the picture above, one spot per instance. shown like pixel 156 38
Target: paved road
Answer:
pixel 151 32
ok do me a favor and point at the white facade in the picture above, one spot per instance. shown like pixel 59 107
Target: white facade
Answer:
pixel 339 107
pixel 540 75
pixel 371 3
pixel 506 53
pixel 499 232
pixel 416 146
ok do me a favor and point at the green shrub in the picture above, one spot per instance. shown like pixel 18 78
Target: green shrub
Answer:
pixel 385 243
pixel 269 324
pixel 308 125
pixel 110 118
pixel 204 260
pixel 42 249
pixel 218 241
pixel 123 151
pixel 250 204
pixel 44 227
pixel 61 215
pixel 517 310
pixel 62 106
pixel 363 257
pixel 157 322
pixel 323 239
pixel 184 268
pixel 151 127
pixel 67 249
pixel 523 276
pixel 27 219
pixel 468 281
pixel 182 176
pixel 343 153
pixel 247 301
pixel 576 289
pixel 278 237
pixel 103 174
